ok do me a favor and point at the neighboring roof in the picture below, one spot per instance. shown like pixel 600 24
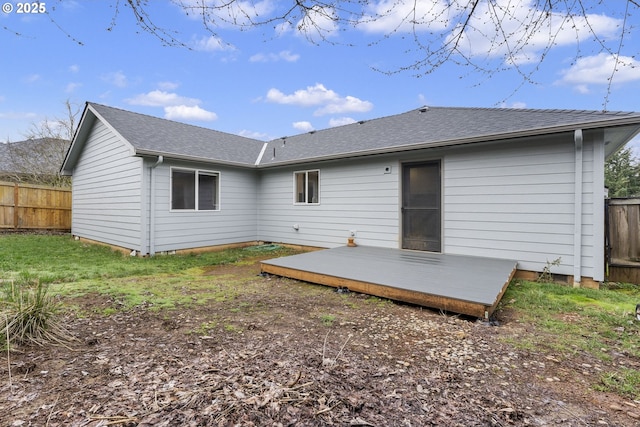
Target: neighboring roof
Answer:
pixel 426 127
pixel 39 155
pixel 5 163
pixel 442 126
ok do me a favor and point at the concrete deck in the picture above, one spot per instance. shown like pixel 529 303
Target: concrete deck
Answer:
pixel 452 283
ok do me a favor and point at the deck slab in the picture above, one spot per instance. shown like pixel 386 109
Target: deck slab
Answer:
pixel 479 281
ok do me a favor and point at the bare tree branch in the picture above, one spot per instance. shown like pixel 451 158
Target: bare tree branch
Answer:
pixel 515 35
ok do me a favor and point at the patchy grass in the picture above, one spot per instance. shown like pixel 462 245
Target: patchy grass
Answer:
pixel 569 321
pixel 327 319
pixel 625 382
pixel 561 321
pixel 577 319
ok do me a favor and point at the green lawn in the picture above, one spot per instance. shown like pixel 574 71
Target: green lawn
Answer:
pixel 60 259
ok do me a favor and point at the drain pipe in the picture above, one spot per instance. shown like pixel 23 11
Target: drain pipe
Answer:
pixel 577 214
pixel 152 206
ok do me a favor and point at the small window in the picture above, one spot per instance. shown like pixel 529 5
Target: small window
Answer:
pixel 194 190
pixel 307 187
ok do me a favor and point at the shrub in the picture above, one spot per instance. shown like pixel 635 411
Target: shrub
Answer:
pixel 30 315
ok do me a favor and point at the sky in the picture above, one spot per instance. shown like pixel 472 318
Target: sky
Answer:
pixel 275 80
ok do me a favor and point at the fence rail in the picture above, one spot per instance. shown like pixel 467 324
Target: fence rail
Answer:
pixel 34 207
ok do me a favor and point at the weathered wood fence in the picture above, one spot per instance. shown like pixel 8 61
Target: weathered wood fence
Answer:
pixel 623 240
pixel 34 207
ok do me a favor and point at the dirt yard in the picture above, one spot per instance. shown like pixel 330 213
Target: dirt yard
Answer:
pixel 285 353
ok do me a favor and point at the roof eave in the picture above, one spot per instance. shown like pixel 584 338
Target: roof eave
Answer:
pixel 187 158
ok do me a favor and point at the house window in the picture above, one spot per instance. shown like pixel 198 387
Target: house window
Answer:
pixel 194 190
pixel 307 187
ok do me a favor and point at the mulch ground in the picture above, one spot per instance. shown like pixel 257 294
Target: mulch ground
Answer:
pixel 287 353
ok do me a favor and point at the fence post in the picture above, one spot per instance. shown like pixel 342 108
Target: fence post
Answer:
pixel 16 195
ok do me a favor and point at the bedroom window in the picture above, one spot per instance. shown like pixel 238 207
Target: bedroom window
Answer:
pixel 195 190
pixel 307 187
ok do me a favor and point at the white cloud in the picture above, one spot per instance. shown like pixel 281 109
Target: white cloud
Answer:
pixel 225 14
pixel 185 112
pixel 211 44
pixel 255 135
pixel 159 98
pixel 312 95
pixel 168 85
pixel 284 55
pixel 328 100
pixel 176 107
pixel 303 126
pixel 71 87
pixel 117 79
pixel 516 104
pixel 17 115
pixel 388 16
pixel 598 69
pixel 348 104
pixel 74 68
pixel 283 28
pixel 519 32
pixel 32 78
pixel 341 121
pixel 319 23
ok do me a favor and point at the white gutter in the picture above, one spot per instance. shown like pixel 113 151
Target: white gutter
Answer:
pixel 152 207
pixel 577 213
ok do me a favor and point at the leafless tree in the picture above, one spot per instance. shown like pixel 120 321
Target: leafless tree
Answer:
pixel 484 36
pixel 38 159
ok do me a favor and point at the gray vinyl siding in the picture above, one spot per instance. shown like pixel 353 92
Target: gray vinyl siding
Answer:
pixel 516 201
pixel 355 195
pixel 106 191
pixel 234 222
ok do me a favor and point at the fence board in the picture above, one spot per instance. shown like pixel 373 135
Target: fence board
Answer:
pixel 624 240
pixel 25 206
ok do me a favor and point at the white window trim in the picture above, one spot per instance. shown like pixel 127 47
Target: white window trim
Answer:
pixel 197 173
pixel 306 179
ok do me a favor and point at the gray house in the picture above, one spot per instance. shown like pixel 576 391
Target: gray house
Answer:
pixel 518 184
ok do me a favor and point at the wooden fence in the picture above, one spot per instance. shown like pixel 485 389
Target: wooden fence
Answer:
pixel 623 240
pixel 34 207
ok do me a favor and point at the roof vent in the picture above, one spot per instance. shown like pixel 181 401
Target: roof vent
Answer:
pixel 424 109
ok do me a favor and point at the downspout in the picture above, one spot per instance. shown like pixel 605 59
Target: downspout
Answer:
pixel 152 207
pixel 577 213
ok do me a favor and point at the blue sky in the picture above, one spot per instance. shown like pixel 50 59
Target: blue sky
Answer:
pixel 270 81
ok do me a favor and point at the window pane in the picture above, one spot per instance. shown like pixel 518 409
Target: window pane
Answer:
pixel 183 190
pixel 207 192
pixel 301 196
pixel 313 186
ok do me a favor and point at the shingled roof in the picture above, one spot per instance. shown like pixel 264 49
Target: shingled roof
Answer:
pixel 426 127
pixel 440 126
pixel 153 136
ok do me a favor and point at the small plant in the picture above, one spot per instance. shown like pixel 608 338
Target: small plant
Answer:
pixel 327 319
pixel 546 276
pixel 30 315
pixel 625 382
pixel 232 328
